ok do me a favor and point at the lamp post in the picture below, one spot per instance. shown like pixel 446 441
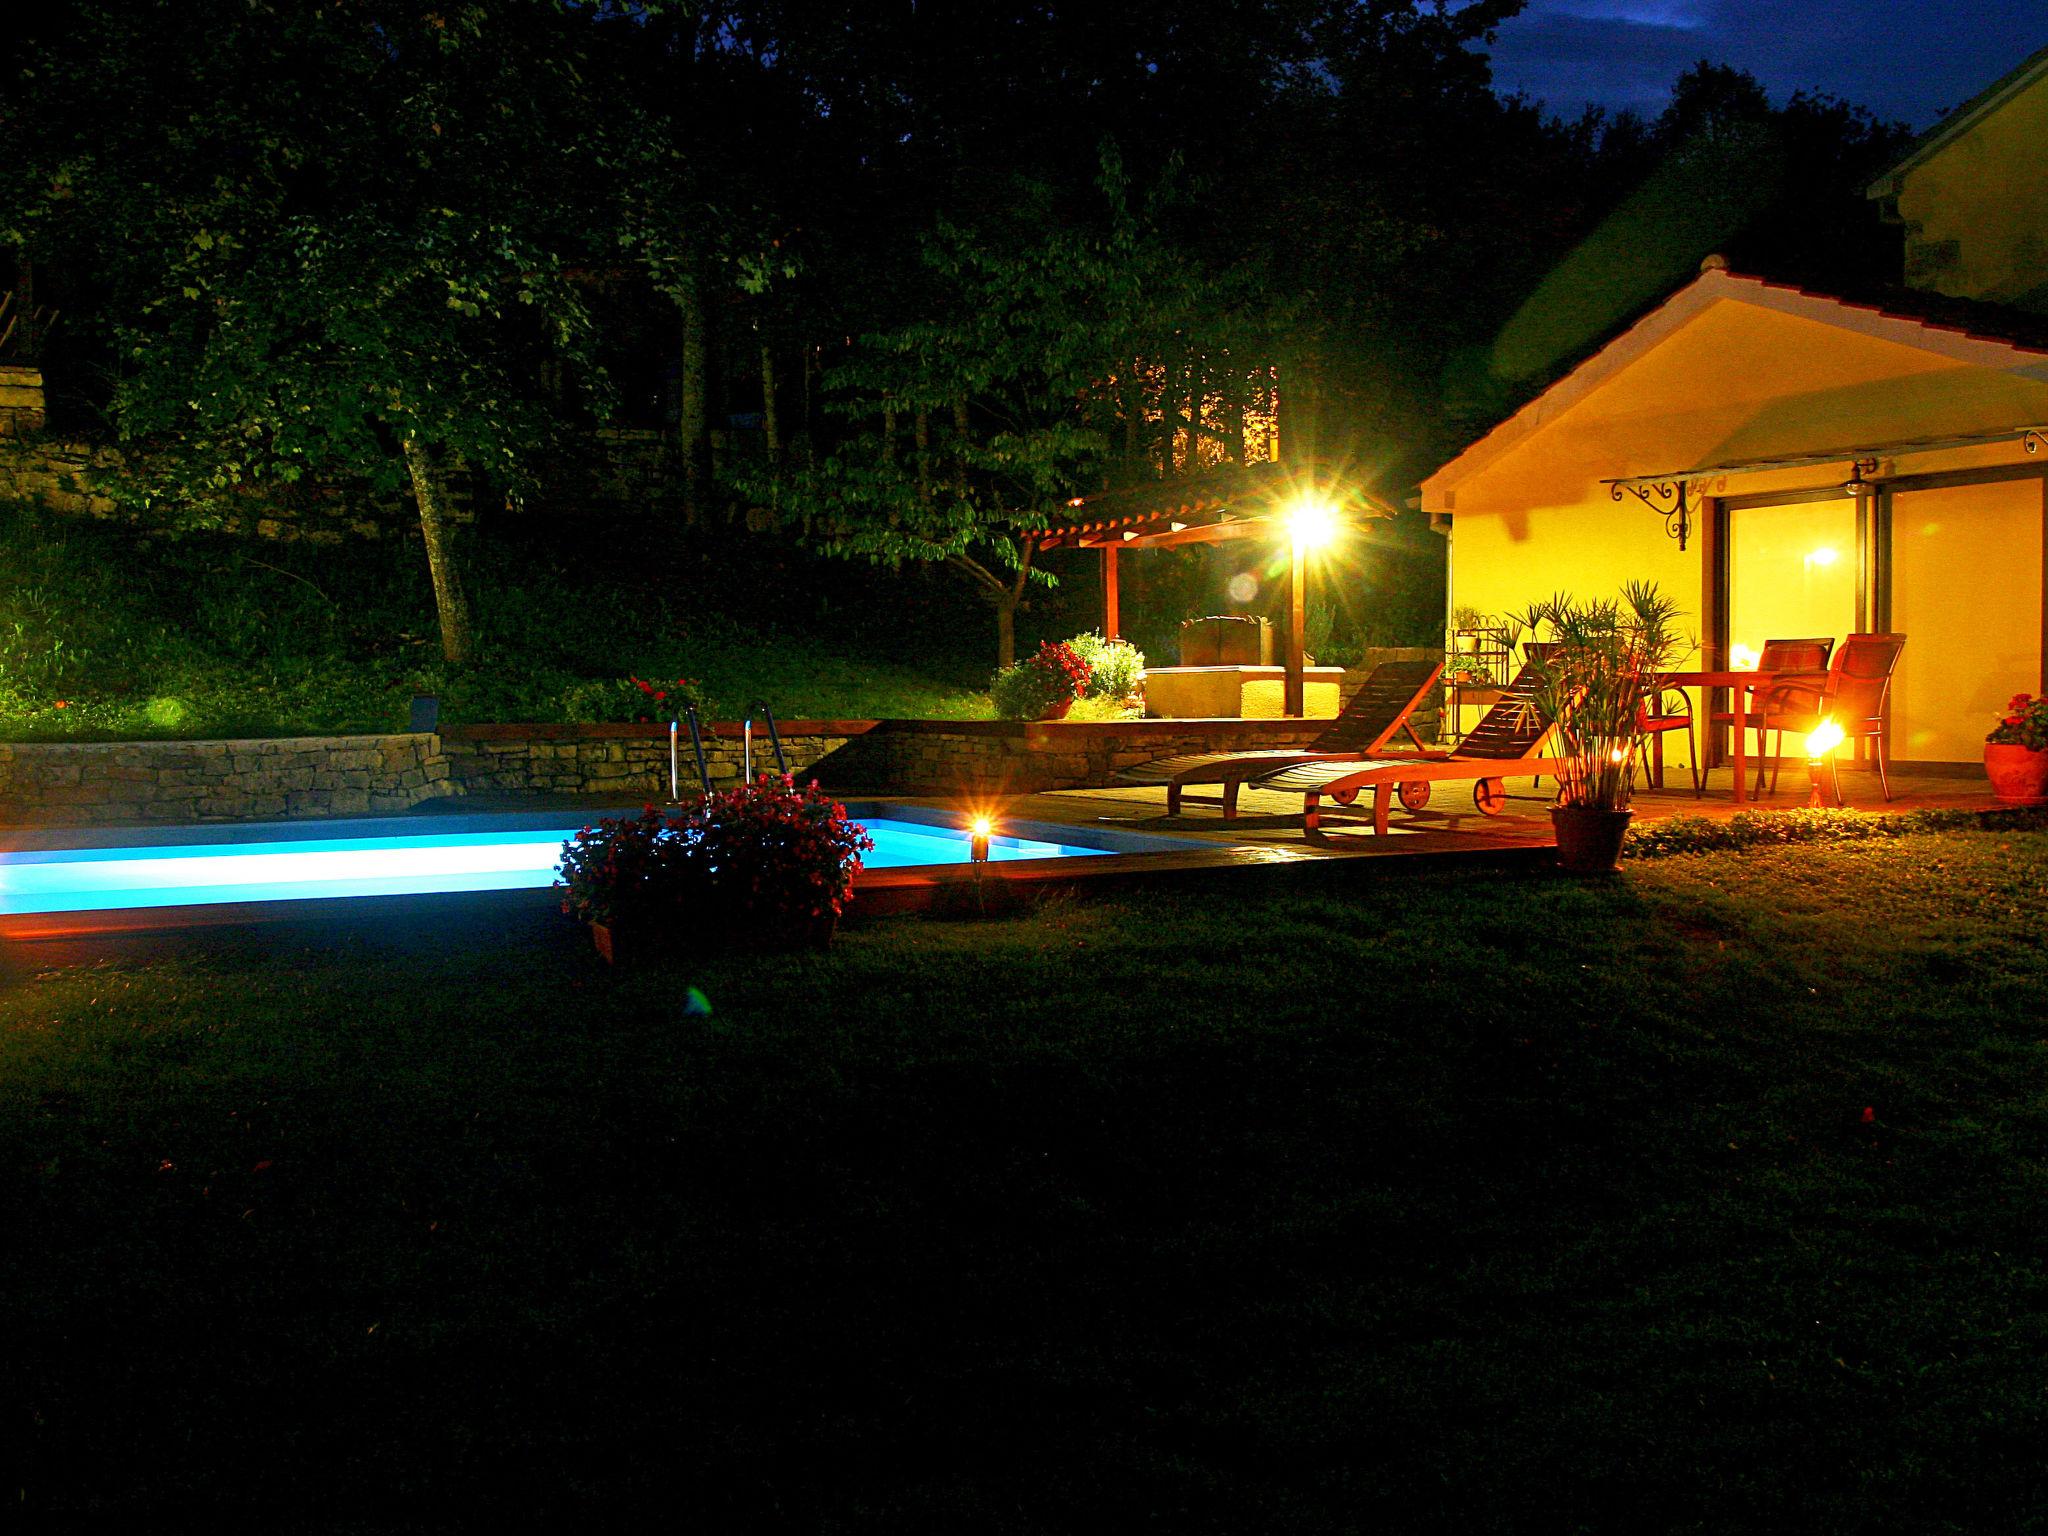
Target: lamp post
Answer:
pixel 1311 524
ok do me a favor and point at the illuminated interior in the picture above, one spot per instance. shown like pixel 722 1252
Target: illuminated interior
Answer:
pixel 1791 573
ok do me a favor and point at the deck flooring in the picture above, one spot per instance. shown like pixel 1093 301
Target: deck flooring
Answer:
pixel 1271 821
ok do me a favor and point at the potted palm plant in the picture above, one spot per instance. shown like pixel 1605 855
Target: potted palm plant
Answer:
pixel 1595 686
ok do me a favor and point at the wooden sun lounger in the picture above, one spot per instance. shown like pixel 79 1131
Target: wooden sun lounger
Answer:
pixel 1377 713
pixel 1507 742
pixel 1344 782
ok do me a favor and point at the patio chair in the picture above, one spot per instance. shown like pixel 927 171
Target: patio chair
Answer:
pixel 1507 742
pixel 1670 711
pixel 1853 692
pixel 1379 711
pixel 1777 657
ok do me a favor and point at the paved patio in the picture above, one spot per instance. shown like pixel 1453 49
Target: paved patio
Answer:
pixel 1271 822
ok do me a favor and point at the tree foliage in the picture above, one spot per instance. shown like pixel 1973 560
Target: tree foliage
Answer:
pixel 344 238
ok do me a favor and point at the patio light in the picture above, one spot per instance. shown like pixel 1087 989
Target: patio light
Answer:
pixel 1821 742
pixel 978 831
pixel 1312 522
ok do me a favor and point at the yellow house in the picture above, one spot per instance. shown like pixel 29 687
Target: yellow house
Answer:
pixel 1973 195
pixel 1788 464
pixel 1792 464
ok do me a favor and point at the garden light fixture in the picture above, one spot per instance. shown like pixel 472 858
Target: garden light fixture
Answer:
pixel 1821 742
pixel 978 831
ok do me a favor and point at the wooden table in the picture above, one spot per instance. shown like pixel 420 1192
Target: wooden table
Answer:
pixel 1740 685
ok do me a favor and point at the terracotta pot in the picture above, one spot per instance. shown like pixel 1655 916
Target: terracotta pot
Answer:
pixel 1588 839
pixel 607 941
pixel 2019 775
pixel 1058 711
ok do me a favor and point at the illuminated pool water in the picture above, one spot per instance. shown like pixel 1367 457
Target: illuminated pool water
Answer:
pixel 192 874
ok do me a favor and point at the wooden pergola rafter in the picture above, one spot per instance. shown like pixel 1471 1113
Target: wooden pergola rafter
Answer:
pixel 1223 506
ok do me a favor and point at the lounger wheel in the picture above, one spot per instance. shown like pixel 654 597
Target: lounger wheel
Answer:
pixel 1490 795
pixel 1344 796
pixel 1415 794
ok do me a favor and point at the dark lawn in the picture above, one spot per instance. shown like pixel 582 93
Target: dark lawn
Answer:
pixel 1349 1201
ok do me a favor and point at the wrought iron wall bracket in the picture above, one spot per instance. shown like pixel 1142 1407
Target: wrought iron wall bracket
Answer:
pixel 2034 439
pixel 1666 498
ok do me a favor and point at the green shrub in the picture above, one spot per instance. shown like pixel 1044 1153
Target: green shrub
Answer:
pixel 1051 677
pixel 1115 667
pixel 169 714
pixel 1773 829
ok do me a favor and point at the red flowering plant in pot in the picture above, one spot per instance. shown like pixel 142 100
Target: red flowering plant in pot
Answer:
pixel 765 864
pixel 778 861
pixel 1044 685
pixel 2016 751
pixel 631 878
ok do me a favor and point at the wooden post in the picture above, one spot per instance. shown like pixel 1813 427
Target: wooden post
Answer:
pixel 1294 706
pixel 1110 617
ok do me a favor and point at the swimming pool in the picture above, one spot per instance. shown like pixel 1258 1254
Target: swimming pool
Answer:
pixel 193 866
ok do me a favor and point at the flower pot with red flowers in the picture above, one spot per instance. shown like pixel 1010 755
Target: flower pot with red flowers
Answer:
pixel 764 865
pixel 2016 752
pixel 1043 686
pixel 777 862
pixel 630 879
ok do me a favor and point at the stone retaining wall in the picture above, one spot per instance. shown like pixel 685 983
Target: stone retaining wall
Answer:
pixel 115 783
pixel 119 782
pixel 981 758
pixel 625 760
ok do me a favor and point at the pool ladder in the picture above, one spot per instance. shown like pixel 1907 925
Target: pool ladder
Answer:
pixel 758 707
pixel 747 740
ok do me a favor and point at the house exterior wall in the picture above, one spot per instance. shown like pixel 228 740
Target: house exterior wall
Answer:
pixel 1976 210
pixel 1738 381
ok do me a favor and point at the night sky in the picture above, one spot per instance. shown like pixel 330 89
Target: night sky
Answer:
pixel 1904 59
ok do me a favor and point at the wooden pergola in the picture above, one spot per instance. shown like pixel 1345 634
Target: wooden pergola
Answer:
pixel 1257 502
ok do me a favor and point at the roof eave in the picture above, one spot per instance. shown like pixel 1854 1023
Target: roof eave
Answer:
pixel 1970 113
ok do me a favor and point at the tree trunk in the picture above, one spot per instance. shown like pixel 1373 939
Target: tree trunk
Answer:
pixel 888 434
pixel 430 491
pixel 771 423
pixel 695 382
pixel 1006 629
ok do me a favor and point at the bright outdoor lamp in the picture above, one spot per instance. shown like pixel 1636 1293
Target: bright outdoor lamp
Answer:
pixel 1821 742
pixel 978 832
pixel 1312 522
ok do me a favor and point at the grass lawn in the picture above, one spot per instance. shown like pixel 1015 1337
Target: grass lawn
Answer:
pixel 1707 1199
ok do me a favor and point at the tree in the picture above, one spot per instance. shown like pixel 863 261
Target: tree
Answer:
pixel 1046 346
pixel 344 237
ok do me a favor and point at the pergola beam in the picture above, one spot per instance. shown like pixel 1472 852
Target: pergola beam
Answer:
pixel 1250 502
